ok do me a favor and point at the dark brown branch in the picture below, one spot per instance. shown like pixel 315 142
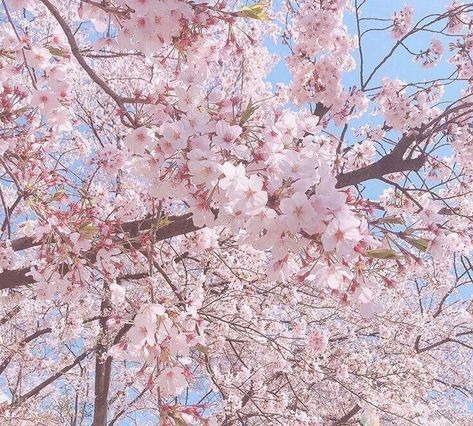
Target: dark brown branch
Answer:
pixel 22 344
pixel 179 225
pixel 102 366
pixel 10 314
pixel 390 163
pixel 343 420
pixel 80 59
pixel 47 382
pixel 441 342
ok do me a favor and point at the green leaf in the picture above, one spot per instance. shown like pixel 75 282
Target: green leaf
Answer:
pixel 57 195
pixel 255 11
pixel 57 52
pixel 22 110
pixel 383 254
pixel 391 219
pixel 202 348
pixel 178 420
pixel 249 111
pixel 420 243
pixel 164 221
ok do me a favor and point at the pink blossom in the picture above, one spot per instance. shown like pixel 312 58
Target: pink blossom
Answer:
pixel 226 134
pixel 204 172
pixel 79 242
pixel 139 139
pixel 298 213
pixel 249 197
pixel 45 101
pixel 333 276
pixel 402 22
pixel 37 57
pixel 171 381
pixel 341 235
pixel 235 176
pixel 117 294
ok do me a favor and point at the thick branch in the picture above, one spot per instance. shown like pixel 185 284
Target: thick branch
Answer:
pixel 391 163
pixel 102 368
pixel 343 420
pixel 179 225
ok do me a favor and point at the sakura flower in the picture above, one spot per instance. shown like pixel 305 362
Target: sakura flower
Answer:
pixel 179 345
pixel 117 294
pixel 140 6
pixel 226 134
pixel 282 269
pixel 298 212
pixel 188 98
pixel 235 176
pixel 139 139
pixel 250 198
pixel 37 57
pixel 278 238
pixel 171 381
pixel 59 118
pixel 296 166
pixel 368 306
pixel 153 310
pixel 175 136
pixel 143 332
pixel 46 101
pixel 106 42
pixel 341 235
pixel 57 72
pixel 201 209
pixel 362 154
pixel 437 47
pixel 430 211
pixel 430 57
pixel 110 159
pixel 402 21
pixel 317 341
pixel 332 276
pixel 204 172
pixel 79 243
pixel 444 244
pixel 145 326
pixel 7 256
pixel 262 220
pixel 96 15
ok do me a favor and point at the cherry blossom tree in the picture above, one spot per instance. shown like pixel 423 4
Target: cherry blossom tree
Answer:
pixel 186 241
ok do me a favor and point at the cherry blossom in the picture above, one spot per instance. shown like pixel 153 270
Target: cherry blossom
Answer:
pixel 138 140
pixel 191 237
pixel 402 22
pixel 226 134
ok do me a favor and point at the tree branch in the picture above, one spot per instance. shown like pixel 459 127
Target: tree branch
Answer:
pixel 390 163
pixel 343 420
pixel 46 382
pixel 82 62
pixel 179 225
